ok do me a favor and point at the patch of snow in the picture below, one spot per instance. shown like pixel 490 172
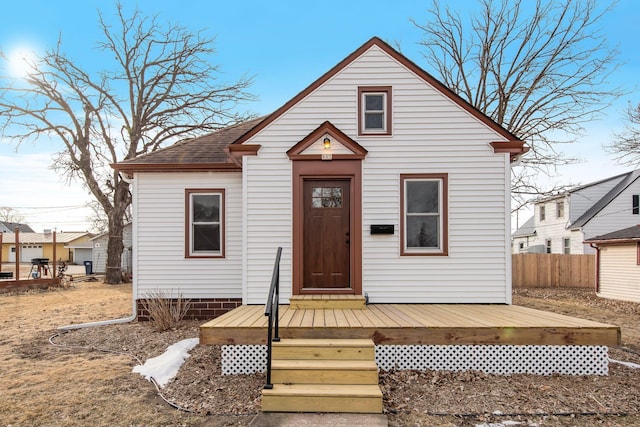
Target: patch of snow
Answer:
pixel 164 367
pixel 627 364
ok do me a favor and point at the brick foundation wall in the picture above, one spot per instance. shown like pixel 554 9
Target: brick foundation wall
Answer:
pixel 201 308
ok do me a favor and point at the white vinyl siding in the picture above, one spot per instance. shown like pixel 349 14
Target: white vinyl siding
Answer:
pixel 619 272
pixel 159 237
pixel 431 134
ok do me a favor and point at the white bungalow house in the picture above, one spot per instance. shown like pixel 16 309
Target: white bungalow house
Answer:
pixel 382 187
pixel 618 264
pixel 561 223
pixel 376 179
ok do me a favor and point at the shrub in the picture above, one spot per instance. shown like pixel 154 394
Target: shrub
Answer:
pixel 165 311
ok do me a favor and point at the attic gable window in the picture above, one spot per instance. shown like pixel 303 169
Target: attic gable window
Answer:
pixel 635 204
pixel 204 234
pixel 424 221
pixel 374 110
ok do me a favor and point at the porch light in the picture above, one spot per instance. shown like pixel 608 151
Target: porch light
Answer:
pixel 326 143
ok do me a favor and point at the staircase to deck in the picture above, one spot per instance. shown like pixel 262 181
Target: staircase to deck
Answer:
pixel 323 375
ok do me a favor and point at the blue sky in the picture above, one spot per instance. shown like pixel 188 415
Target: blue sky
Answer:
pixel 285 45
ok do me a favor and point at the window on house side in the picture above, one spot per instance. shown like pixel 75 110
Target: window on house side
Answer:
pixel 635 206
pixel 547 244
pixel 374 110
pixel 566 246
pixel 424 214
pixel 542 213
pixel 559 209
pixel 205 226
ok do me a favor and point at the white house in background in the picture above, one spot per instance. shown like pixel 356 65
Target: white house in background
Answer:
pixel 618 264
pixel 376 180
pixel 99 251
pixel 561 223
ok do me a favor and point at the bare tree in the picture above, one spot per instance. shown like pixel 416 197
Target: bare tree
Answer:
pixel 538 69
pixel 626 146
pixel 10 215
pixel 159 86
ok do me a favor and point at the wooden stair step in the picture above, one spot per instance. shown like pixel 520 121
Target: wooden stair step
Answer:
pixel 322 398
pixel 352 349
pixel 324 372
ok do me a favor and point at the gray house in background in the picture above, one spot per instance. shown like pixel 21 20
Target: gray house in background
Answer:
pixel 100 251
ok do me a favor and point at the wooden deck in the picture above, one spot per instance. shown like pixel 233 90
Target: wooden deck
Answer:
pixel 404 324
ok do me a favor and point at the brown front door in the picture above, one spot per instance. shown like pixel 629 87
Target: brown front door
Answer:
pixel 326 234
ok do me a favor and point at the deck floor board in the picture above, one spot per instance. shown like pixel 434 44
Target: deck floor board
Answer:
pixel 414 324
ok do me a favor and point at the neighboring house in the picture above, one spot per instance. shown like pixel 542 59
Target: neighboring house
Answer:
pixel 376 180
pixel 99 251
pixel 561 223
pixel 10 227
pixel 40 245
pixel 618 264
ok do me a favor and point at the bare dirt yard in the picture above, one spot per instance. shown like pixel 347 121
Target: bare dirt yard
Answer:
pixel 74 383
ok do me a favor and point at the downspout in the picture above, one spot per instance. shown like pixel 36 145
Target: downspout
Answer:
pixel 595 246
pixel 113 321
pixel 103 322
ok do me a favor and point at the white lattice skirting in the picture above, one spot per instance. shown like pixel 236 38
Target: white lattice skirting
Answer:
pixel 491 359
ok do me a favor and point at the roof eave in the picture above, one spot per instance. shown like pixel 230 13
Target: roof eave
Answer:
pixel 169 167
pixel 613 241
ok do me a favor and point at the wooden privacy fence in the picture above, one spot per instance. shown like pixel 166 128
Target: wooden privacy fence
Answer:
pixel 553 271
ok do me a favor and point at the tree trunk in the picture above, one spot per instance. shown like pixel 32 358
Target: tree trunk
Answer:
pixel 115 245
pixel 114 251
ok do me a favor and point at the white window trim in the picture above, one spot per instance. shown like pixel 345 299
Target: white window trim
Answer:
pixel 365 112
pixel 190 253
pixel 442 248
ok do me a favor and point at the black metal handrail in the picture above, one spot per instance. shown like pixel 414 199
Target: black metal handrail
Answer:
pixel 272 310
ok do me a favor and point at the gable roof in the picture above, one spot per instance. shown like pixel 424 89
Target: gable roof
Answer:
pixel 218 151
pixel 630 234
pixel 626 181
pixel 206 152
pixel 526 229
pixel 11 226
pixel 513 144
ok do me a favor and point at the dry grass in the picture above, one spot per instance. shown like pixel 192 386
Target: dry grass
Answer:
pixel 47 386
pixel 43 385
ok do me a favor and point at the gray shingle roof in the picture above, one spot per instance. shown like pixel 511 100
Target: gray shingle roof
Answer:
pixel 206 149
pixel 526 229
pixel 628 179
pixel 631 233
pixel 11 226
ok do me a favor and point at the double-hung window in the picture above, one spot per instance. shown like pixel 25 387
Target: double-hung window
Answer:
pixel 204 223
pixel 424 214
pixel 374 110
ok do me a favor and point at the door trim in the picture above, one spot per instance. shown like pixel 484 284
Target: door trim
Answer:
pixel 337 169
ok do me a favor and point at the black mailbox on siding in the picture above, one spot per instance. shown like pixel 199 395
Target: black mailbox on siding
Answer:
pixel 382 228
